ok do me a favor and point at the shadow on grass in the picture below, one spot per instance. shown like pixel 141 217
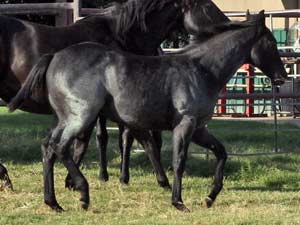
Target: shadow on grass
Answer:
pixel 264 188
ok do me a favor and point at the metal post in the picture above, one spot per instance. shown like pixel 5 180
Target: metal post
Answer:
pixel 249 89
pixel 207 154
pixel 76 10
pixel 222 103
pixel 64 18
pixel 275 119
pixel 293 100
pixel 271 23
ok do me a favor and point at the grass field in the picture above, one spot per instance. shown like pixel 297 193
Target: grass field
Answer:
pixel 257 190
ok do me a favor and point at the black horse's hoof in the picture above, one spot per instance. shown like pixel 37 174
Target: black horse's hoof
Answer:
pixel 55 206
pixel 164 184
pixel 181 207
pixel 6 184
pixel 84 205
pixel 69 184
pixel 124 180
pixel 4 176
pixel 103 177
pixel 85 202
pixel 208 202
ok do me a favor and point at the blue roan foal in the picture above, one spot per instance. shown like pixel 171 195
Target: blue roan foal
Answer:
pixel 175 92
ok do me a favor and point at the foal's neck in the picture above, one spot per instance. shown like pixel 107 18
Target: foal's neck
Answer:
pixel 223 55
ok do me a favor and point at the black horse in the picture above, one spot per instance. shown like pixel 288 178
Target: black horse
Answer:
pixel 139 26
pixel 4 176
pixel 176 92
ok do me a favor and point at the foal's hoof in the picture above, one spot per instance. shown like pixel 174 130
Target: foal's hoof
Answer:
pixel 55 206
pixel 181 207
pixel 208 202
pixel 103 177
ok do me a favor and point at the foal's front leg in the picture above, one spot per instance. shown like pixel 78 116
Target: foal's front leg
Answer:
pixel 203 138
pixel 182 134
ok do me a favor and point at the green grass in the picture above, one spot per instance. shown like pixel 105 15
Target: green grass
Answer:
pixel 257 190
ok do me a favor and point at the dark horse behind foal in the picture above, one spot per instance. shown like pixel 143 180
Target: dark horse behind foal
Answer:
pixel 176 92
pixel 138 26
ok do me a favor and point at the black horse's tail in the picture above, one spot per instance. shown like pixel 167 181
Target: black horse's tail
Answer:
pixel 35 79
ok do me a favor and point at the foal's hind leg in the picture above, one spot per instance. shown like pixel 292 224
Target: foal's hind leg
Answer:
pixel 205 139
pixel 60 143
pixel 80 148
pixel 48 164
pixel 146 139
pixel 102 140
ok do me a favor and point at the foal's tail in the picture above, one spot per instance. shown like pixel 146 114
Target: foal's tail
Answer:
pixel 35 79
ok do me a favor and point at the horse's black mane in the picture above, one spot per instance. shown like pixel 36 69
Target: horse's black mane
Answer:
pixel 134 12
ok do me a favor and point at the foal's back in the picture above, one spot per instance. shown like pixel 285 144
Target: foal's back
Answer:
pixel 125 87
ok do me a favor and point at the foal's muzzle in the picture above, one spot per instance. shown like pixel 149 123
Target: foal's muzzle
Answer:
pixel 280 79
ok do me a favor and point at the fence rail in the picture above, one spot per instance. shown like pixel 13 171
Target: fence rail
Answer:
pixel 61 7
pixel 35 8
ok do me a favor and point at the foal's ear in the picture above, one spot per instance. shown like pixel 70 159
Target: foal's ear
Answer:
pixel 261 17
pixel 258 18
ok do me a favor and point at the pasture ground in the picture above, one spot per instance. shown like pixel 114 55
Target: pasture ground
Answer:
pixel 257 190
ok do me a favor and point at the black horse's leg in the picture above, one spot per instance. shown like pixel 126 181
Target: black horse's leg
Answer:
pixel 48 163
pixel 182 135
pixel 148 142
pixel 4 176
pixel 60 142
pixel 127 143
pixel 158 140
pixel 205 139
pixel 102 140
pixel 121 130
pixel 80 148
pixel 157 136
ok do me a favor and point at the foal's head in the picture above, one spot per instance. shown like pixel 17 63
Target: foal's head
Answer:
pixel 264 53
